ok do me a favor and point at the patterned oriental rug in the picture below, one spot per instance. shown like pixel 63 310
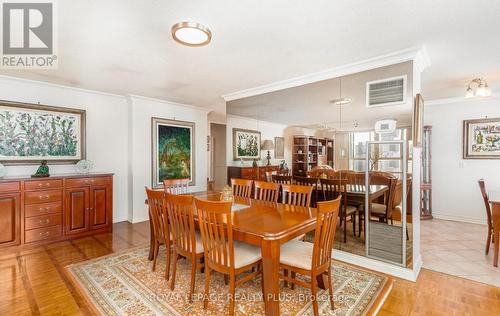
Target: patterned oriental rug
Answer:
pixel 123 284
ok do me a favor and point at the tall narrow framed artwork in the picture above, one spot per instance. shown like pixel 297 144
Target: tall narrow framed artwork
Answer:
pixel 279 147
pixel 481 139
pixel 172 151
pixel 246 144
pixel 33 132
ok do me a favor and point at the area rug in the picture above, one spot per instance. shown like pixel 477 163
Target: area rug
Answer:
pixel 123 284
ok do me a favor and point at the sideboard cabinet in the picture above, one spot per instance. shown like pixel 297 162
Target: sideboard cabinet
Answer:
pixel 39 210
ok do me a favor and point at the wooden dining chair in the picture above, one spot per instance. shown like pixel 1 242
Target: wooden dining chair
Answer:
pixel 270 174
pixel 382 209
pixel 187 243
pixel 332 189
pixel 298 195
pixel 487 205
pixel 312 182
pixel 242 187
pixel 266 191
pixel 161 233
pixel 176 186
pixel 222 254
pixel 281 179
pixel 313 259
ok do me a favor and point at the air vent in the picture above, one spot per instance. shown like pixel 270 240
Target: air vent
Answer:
pixel 388 91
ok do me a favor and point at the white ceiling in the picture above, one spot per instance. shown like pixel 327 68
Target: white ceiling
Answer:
pixel 125 47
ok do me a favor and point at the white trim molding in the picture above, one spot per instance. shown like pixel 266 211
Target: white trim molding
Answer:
pixel 194 107
pixel 458 218
pixel 419 55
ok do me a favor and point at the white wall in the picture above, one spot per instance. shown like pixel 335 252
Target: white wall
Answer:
pixel 268 130
pixel 455 192
pixel 107 130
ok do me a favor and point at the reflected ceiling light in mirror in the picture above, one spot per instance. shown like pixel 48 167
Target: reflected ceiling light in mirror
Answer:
pixel 191 34
pixel 341 101
pixel 478 87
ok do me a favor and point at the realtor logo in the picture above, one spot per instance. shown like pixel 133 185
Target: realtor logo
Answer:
pixel 28 35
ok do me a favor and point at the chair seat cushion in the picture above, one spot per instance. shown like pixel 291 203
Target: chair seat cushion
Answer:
pixel 351 209
pixel 245 254
pixel 378 209
pixel 199 243
pixel 297 254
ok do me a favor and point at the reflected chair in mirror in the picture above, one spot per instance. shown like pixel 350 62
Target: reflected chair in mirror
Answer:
pixel 397 204
pixel 270 174
pixel 312 182
pixel 242 187
pixel 186 242
pixel 222 254
pixel 161 233
pixel 282 179
pixel 332 189
pixel 298 195
pixel 313 259
pixel 487 205
pixel 176 186
pixel 266 191
pixel 383 209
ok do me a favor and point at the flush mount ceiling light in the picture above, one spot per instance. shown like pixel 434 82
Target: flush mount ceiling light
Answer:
pixel 341 101
pixel 191 34
pixel 481 89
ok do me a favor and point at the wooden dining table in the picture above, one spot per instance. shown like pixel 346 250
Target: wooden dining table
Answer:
pixel 494 197
pixel 268 225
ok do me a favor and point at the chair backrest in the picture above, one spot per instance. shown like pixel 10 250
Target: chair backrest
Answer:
pixel 216 227
pixel 158 214
pixel 282 179
pixel 266 191
pixel 176 186
pixel 270 174
pixel 306 181
pixel 299 195
pixel 331 188
pixel 180 215
pixel 385 178
pixel 486 200
pixel 326 225
pixel 242 187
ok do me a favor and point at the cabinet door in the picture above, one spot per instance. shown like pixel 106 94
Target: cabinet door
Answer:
pixel 100 207
pixel 10 219
pixel 77 202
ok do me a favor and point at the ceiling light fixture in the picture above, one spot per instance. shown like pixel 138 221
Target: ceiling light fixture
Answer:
pixel 341 101
pixel 191 34
pixel 481 89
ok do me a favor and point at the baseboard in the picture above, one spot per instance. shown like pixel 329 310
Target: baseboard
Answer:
pixel 136 220
pixel 458 218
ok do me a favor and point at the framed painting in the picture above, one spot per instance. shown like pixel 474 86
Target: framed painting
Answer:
pixel 246 144
pixel 279 147
pixel 481 139
pixel 173 151
pixel 30 133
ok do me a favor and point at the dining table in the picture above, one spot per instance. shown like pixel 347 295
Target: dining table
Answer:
pixel 268 225
pixel 494 198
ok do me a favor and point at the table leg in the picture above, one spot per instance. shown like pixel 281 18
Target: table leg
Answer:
pixel 495 214
pixel 151 239
pixel 270 270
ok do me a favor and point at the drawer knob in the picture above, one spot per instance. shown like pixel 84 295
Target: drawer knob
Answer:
pixel 46 184
pixel 44 197
pixel 45 234
pixel 44 221
pixel 46 209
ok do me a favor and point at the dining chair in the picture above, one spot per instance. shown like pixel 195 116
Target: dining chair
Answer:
pixel 312 182
pixel 313 259
pixel 383 210
pixel 281 179
pixel 176 186
pixel 161 233
pixel 270 174
pixel 186 242
pixel 487 205
pixel 266 191
pixel 222 254
pixel 298 195
pixel 332 189
pixel 397 203
pixel 242 187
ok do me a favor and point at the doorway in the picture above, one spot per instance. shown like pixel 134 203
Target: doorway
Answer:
pixel 218 167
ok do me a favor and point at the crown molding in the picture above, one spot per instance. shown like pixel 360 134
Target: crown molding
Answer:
pixel 194 107
pixel 237 117
pixel 494 96
pixel 410 54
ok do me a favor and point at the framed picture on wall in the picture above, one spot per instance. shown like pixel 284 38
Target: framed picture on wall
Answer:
pixel 481 139
pixel 246 144
pixel 279 147
pixel 172 151
pixel 30 133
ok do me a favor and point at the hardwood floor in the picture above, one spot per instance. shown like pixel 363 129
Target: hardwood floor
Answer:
pixel 32 281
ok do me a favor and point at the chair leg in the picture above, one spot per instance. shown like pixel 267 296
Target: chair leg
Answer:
pixel 353 218
pixel 193 280
pixel 167 263
pixel 174 272
pixel 314 296
pixel 226 279
pixel 285 273
pixel 330 288
pixel 293 277
pixel 232 286
pixel 345 229
pixel 207 287
pixel 156 250
pixel 488 241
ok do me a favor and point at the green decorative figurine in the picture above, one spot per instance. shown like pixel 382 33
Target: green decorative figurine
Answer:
pixel 42 171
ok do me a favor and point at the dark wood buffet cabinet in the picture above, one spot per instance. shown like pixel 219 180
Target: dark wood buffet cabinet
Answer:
pixel 249 173
pixel 39 210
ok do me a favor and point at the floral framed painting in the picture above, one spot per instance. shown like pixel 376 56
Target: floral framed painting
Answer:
pixel 481 139
pixel 33 132
pixel 173 151
pixel 246 144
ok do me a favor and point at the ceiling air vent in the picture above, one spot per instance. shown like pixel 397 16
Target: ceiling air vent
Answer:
pixel 388 91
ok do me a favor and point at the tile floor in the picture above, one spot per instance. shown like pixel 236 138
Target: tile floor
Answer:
pixel 458 249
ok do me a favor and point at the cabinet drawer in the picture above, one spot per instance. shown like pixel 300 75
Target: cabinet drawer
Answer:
pixel 42 196
pixel 10 186
pixel 81 182
pixel 43 233
pixel 42 221
pixel 42 184
pixel 42 209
